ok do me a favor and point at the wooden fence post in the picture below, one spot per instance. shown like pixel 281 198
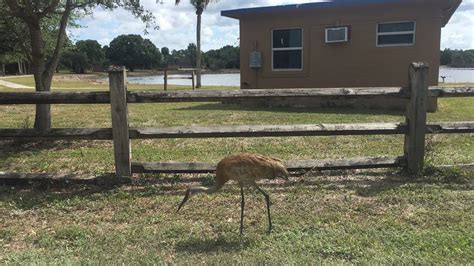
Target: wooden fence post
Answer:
pixel 118 101
pixel 192 79
pixel 416 118
pixel 165 79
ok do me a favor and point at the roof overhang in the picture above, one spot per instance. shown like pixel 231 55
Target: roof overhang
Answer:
pixel 449 10
pixel 448 7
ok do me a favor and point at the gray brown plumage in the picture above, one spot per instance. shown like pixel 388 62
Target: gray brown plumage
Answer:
pixel 246 169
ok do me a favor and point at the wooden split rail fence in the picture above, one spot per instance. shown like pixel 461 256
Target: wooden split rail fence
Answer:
pixel 191 71
pixel 414 128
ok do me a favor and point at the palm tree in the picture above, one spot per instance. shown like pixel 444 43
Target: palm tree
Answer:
pixel 199 5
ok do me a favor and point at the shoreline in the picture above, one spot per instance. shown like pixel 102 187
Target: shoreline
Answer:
pixel 145 73
pixel 101 77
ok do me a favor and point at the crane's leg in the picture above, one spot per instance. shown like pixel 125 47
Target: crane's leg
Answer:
pixel 242 204
pixel 267 199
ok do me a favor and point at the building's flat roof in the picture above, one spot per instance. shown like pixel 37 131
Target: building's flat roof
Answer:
pixel 239 13
pixel 236 13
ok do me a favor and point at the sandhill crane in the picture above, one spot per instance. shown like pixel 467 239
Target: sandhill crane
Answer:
pixel 245 169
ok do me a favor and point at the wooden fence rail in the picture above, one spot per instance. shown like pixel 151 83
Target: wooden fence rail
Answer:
pixel 249 131
pixel 414 128
pixel 191 71
pixel 218 96
pixel 197 167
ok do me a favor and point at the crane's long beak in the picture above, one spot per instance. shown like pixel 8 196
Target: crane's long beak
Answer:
pixel 185 199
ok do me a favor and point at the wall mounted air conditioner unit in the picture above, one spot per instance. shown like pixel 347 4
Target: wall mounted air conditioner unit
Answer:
pixel 337 34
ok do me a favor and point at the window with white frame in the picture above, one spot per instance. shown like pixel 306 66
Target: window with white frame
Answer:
pixel 287 49
pixel 396 33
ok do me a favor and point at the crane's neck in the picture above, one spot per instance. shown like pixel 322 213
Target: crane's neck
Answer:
pixel 207 190
pixel 199 190
pixel 196 190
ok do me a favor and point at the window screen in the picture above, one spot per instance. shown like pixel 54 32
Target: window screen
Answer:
pixel 393 34
pixel 290 59
pixel 396 27
pixel 287 38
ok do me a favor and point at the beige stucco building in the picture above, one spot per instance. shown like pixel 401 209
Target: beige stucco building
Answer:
pixel 340 43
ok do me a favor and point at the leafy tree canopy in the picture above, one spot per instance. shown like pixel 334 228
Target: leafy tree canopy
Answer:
pixel 457 58
pixel 33 14
pixel 82 56
pixel 225 57
pixel 133 52
pixel 93 51
pixel 165 51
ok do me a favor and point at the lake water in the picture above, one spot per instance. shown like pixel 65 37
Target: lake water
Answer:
pixel 453 75
pixel 206 80
pixel 457 75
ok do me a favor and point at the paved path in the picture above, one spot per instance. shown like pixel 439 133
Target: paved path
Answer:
pixel 9 84
pixel 15 76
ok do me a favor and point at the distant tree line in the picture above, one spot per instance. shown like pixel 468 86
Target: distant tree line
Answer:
pixel 135 52
pixel 457 58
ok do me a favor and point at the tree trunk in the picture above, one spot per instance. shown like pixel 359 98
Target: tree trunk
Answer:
pixel 198 48
pixel 26 67
pixel 20 69
pixel 43 111
pixel 43 70
pixel 3 70
pixel 23 65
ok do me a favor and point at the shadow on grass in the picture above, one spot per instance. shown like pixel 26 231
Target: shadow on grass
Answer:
pixel 320 110
pixel 11 148
pixel 221 244
pixel 365 184
pixel 38 193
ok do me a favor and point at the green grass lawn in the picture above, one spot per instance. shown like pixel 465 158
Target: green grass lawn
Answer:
pixel 362 217
pixel 335 217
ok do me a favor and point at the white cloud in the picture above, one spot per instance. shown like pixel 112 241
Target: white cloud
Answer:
pixel 459 33
pixel 178 24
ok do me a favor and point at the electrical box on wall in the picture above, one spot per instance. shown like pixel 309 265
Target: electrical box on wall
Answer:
pixel 255 59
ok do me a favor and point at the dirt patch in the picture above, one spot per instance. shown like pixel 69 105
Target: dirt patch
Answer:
pixel 93 78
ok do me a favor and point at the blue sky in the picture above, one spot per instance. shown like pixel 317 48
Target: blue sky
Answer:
pixel 177 24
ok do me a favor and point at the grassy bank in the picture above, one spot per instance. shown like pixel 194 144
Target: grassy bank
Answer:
pixel 336 217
